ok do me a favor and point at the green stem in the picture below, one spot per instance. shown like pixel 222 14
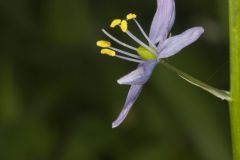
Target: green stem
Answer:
pixel 224 95
pixel 234 14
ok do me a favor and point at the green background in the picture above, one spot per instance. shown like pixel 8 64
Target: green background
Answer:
pixel 59 96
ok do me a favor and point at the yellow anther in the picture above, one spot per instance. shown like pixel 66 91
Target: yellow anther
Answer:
pixel 108 52
pixel 115 23
pixel 103 44
pixel 124 25
pixel 131 16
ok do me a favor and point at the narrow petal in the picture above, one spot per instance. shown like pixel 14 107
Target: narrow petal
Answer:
pixel 140 75
pixel 133 94
pixel 175 44
pixel 162 21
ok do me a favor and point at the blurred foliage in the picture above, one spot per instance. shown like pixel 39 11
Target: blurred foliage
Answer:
pixel 58 96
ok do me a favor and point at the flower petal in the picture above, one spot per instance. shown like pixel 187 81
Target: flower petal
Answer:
pixel 162 21
pixel 133 94
pixel 140 75
pixel 175 44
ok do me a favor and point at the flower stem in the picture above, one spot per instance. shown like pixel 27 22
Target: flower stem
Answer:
pixel 224 95
pixel 234 17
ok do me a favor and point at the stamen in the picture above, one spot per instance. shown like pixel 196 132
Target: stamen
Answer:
pixel 145 35
pixel 115 23
pixel 117 41
pixel 124 25
pixel 108 52
pixel 129 59
pixel 103 44
pixel 140 42
pixel 112 53
pixel 125 53
pixel 131 16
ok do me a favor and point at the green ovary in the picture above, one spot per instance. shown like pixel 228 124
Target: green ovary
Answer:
pixel 145 54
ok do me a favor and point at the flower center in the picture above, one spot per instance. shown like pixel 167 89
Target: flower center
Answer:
pixel 145 54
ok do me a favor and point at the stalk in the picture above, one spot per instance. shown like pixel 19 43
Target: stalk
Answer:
pixel 222 94
pixel 234 17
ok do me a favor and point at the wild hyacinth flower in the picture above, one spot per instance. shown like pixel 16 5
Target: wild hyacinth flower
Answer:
pixel 159 46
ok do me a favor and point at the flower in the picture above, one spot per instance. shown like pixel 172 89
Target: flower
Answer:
pixel 160 45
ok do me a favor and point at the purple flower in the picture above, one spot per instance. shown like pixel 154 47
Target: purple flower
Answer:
pixel 160 45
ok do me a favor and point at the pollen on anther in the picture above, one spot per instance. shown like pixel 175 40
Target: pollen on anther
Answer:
pixel 103 44
pixel 115 23
pixel 131 16
pixel 108 52
pixel 124 26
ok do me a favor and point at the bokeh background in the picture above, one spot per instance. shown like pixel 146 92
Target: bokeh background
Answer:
pixel 58 95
